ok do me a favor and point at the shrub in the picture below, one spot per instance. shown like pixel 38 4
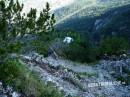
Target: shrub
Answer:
pixel 40 46
pixel 113 45
pixel 81 52
pixel 15 74
pixel 9 71
pixel 14 47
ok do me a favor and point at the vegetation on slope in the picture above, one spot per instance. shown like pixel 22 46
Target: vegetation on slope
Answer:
pixel 83 50
pixel 114 46
pixel 13 28
pixel 23 80
pixel 116 23
pixel 108 18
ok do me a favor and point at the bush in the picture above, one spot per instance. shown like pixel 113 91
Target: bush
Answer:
pixel 113 45
pixel 84 52
pixel 40 46
pixel 31 85
pixel 14 47
pixel 15 74
pixel 9 71
pixel 81 52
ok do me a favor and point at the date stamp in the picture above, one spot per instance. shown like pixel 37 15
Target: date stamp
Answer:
pixel 105 84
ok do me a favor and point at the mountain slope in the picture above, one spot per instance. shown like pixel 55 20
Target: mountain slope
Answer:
pixel 113 23
pixel 84 20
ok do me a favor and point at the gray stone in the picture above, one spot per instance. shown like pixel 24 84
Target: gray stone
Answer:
pixel 3 96
pixel 15 94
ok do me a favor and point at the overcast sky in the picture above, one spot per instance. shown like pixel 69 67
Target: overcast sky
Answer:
pixel 39 4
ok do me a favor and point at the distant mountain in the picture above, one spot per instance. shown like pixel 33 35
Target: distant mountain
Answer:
pixel 84 9
pixel 114 22
pixel 97 18
pixel 85 5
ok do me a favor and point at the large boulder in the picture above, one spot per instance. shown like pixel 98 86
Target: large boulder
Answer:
pixel 68 40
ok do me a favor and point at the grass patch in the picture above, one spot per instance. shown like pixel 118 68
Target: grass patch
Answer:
pixel 86 74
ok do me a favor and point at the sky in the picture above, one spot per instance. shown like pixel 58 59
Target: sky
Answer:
pixel 40 4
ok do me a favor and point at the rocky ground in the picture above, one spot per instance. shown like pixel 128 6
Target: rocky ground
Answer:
pixel 7 91
pixel 81 80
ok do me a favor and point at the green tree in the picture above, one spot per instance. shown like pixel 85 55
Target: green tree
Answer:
pixel 45 21
pixel 14 23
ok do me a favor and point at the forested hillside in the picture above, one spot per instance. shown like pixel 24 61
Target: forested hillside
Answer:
pixel 86 16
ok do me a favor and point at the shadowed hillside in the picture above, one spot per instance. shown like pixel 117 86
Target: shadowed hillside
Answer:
pixel 112 22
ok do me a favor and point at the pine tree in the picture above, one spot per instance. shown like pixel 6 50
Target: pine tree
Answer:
pixel 14 24
pixel 45 21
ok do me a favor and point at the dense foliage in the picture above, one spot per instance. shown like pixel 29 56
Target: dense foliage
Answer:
pixel 115 24
pixel 13 73
pixel 83 51
pixel 14 25
pixel 113 46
